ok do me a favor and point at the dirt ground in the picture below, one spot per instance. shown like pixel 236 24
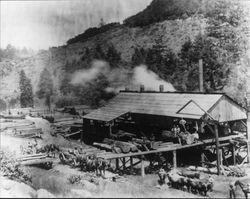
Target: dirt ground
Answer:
pixel 56 181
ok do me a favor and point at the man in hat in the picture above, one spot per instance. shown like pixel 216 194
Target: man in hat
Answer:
pixel 162 175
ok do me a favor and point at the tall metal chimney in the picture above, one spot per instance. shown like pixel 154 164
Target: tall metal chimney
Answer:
pixel 142 88
pixel 161 88
pixel 201 75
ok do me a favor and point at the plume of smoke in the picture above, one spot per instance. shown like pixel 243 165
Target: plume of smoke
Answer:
pixel 83 76
pixel 149 79
pixel 119 78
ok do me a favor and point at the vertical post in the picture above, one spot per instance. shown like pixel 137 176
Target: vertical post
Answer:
pixel 124 163
pixel 131 164
pixel 201 74
pixel 117 163
pixel 110 130
pixel 248 137
pixel 220 157
pixel 233 154
pixel 174 159
pixel 82 130
pixel 217 148
pixel 202 159
pixel 142 167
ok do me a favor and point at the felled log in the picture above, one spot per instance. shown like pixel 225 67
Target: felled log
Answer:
pixel 104 146
pixel 203 169
pixel 141 141
pixel 33 158
pixel 116 150
pixel 189 174
pixel 68 135
pixel 126 146
pixel 36 162
pixel 108 141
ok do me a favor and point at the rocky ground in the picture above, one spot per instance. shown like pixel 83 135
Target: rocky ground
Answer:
pixel 55 182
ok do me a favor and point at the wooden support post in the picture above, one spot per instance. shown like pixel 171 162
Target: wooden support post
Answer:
pixel 110 130
pixel 248 136
pixel 82 130
pixel 124 163
pixel 233 154
pixel 217 148
pixel 202 159
pixel 142 167
pixel 174 159
pixel 117 163
pixel 131 164
pixel 220 157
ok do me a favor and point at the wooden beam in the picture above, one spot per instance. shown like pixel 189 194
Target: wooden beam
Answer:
pixel 174 159
pixel 179 147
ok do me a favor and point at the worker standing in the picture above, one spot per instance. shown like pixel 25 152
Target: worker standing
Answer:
pixel 162 175
pixel 246 191
pixel 232 191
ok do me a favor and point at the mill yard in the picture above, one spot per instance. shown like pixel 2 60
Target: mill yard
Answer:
pixel 136 133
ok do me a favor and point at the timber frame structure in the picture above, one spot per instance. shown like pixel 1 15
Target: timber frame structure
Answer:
pixel 212 110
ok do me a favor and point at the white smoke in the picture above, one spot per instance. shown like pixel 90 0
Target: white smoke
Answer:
pixel 149 79
pixel 119 78
pixel 87 75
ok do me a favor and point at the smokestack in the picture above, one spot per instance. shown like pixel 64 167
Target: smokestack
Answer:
pixel 161 88
pixel 142 88
pixel 201 74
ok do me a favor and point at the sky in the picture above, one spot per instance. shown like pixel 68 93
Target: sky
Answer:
pixel 43 24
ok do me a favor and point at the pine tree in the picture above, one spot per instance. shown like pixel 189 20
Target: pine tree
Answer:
pixel 26 91
pixel 45 87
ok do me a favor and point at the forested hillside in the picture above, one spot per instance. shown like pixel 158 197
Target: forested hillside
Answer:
pixel 167 38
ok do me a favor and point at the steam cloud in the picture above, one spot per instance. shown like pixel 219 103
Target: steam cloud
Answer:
pixel 84 76
pixel 149 79
pixel 119 78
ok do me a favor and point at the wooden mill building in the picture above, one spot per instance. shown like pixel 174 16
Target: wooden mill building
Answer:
pixel 220 120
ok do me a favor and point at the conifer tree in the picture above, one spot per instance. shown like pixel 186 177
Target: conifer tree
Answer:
pixel 26 91
pixel 45 87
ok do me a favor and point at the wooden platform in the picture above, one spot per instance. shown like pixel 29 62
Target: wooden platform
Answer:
pixel 170 148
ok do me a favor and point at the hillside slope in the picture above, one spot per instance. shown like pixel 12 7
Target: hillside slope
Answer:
pixel 164 34
pixel 173 34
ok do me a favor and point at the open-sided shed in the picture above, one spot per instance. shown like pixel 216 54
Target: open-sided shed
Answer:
pixel 211 109
pixel 171 104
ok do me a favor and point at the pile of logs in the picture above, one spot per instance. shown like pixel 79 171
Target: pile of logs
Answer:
pixel 227 171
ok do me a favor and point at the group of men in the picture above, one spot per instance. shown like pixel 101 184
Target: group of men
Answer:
pixel 181 127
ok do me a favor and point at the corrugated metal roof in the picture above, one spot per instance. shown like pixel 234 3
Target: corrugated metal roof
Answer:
pixel 165 104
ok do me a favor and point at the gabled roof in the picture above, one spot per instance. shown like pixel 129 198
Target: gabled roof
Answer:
pixel 170 104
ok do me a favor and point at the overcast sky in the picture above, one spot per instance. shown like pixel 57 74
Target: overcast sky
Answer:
pixel 42 24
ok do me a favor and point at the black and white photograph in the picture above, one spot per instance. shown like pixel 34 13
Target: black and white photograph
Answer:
pixel 125 99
